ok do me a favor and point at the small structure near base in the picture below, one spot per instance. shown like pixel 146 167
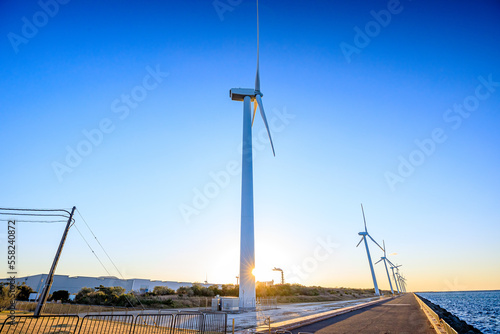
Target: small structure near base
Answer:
pixel 225 304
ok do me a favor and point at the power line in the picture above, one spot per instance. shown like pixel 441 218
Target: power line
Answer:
pixel 41 210
pixel 52 213
pixel 97 257
pixel 49 213
pixel 114 265
pixel 33 214
pixel 35 221
pixel 100 244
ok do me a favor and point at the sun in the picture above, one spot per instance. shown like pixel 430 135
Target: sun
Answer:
pixel 262 275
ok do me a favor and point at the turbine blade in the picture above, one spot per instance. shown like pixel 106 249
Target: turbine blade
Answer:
pixel 359 241
pixel 379 260
pixel 375 242
pixel 254 110
pixel 257 76
pixel 364 216
pixel 384 247
pixel 263 114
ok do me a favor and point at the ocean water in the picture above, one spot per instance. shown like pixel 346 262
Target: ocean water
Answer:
pixel 480 309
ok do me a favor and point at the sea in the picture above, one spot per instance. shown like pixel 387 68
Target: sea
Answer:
pixel 480 309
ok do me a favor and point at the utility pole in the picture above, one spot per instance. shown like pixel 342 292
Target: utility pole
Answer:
pixel 282 275
pixel 50 277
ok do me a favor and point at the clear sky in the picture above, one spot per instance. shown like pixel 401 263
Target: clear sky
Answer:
pixel 122 109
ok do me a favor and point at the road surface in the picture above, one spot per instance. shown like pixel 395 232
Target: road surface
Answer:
pixel 400 315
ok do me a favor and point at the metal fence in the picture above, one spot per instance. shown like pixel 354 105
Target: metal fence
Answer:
pixel 43 324
pixel 266 304
pixel 60 308
pixel 178 323
pixel 188 323
pixel 213 323
pixel 102 324
pixel 153 324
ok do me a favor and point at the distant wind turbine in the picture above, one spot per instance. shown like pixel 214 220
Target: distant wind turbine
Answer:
pixel 394 275
pixel 402 282
pixel 363 237
pixel 247 241
pixel 384 258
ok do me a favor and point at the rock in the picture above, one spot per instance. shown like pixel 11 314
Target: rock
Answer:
pixel 459 325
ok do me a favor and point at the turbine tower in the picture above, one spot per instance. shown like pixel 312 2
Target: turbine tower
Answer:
pixel 384 258
pixel 402 281
pixel 247 243
pixel 394 275
pixel 363 237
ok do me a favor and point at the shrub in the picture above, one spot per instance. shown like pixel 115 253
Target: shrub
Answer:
pixel 23 292
pixel 61 295
pixel 5 297
pixel 162 291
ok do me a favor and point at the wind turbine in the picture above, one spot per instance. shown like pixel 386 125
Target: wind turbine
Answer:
pixel 363 237
pixel 394 275
pixel 402 282
pixel 384 258
pixel 247 242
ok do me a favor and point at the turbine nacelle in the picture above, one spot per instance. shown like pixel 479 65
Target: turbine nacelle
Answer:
pixel 363 233
pixel 238 94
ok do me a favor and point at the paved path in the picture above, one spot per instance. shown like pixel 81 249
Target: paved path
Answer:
pixel 400 315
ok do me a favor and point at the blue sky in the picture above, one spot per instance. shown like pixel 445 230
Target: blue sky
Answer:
pixel 340 124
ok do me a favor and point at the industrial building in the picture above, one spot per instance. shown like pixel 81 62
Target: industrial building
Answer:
pixel 73 284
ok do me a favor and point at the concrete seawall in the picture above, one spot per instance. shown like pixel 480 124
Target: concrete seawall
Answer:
pixel 444 319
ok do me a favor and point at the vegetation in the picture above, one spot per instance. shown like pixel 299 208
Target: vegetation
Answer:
pixel 295 293
pixel 23 292
pixel 162 291
pixel 61 295
pixel 5 296
pixel 194 296
pixel 109 296
pixel 199 290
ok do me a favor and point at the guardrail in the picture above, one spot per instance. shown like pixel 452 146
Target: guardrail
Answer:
pixel 144 323
pixel 438 321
